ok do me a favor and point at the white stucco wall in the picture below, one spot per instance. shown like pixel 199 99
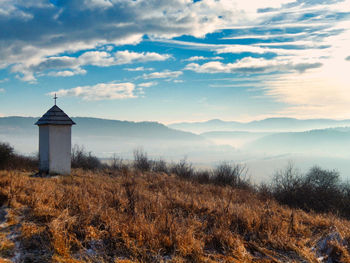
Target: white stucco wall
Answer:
pixel 55 148
pixel 44 148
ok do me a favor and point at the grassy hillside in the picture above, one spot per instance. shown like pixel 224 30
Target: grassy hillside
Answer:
pixel 130 216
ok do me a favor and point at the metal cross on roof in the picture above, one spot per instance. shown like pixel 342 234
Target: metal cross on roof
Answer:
pixel 55 98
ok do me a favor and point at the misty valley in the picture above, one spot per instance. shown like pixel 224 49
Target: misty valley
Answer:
pixel 263 146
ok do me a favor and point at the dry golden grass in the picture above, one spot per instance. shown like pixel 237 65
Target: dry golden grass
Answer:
pixel 150 217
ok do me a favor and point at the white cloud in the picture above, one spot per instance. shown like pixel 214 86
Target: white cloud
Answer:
pixel 147 84
pixel 4 80
pixel 303 48
pixel 17 9
pixel 320 93
pixel 217 48
pixel 101 22
pixel 2 90
pixel 127 57
pixel 241 49
pixel 253 65
pixel 105 59
pixel 96 58
pixel 163 74
pixel 269 36
pixel 67 73
pixel 139 69
pixel 72 65
pixel 97 3
pixel 101 91
pixel 196 58
pixel 109 22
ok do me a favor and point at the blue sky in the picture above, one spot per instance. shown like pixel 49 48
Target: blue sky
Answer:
pixel 179 60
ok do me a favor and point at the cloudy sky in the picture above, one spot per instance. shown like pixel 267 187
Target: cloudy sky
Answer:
pixel 178 60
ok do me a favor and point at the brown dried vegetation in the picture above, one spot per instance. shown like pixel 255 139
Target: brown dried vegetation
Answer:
pixel 153 217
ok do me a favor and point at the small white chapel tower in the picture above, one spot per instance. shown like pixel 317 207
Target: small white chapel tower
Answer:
pixel 55 141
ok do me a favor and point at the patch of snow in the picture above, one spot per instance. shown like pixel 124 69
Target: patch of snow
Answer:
pixel 324 248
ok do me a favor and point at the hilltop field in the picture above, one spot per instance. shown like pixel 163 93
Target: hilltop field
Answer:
pixel 135 216
pixel 153 211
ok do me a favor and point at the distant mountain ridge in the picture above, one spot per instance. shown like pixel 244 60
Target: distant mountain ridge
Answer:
pixel 105 137
pixel 265 125
pixel 332 142
pixel 99 127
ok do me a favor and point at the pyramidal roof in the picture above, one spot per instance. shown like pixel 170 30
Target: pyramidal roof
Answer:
pixel 55 116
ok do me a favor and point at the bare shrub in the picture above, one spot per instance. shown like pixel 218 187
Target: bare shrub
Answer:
pixel 118 164
pixel 160 166
pixel 318 190
pixel 141 161
pixel 6 152
pixel 9 159
pixel 322 189
pixel 233 175
pixel 84 160
pixel 183 169
pixel 345 202
pixel 203 176
pixel 322 180
pixel 29 163
pixel 286 186
pixel 264 190
pixel 288 179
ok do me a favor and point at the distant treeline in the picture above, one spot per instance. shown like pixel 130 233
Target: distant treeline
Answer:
pixel 317 190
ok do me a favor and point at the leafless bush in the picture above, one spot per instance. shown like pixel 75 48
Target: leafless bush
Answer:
pixel 141 161
pixel 318 190
pixel 264 191
pixel 287 180
pixel 118 164
pixel 11 160
pixel 233 175
pixel 6 152
pixel 183 169
pixel 84 160
pixel 160 166
pixel 322 189
pixel 29 163
pixel 203 176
